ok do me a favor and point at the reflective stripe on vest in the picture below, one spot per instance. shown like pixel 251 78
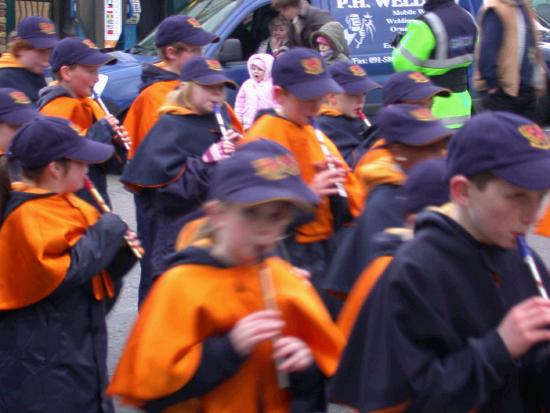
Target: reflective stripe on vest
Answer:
pixel 441 60
pixel 454 120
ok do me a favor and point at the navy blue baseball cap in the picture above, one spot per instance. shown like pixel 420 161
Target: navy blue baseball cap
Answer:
pixel 410 125
pixel 426 185
pixel 410 86
pixel 507 145
pixel 258 172
pixel 185 29
pixel 15 107
pixel 352 78
pixel 77 51
pixel 206 72
pixel 304 73
pixel 38 31
pixel 46 139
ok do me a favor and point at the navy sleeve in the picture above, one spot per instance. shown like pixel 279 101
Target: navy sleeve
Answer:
pixel 193 185
pixel 94 251
pixel 490 45
pixel 101 132
pixel 219 362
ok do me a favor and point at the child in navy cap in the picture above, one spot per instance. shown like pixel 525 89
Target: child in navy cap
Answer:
pixel 411 87
pixel 340 115
pixel 458 314
pixel 412 134
pixel 228 318
pixel 178 38
pixel 426 186
pixel 301 81
pixel 16 109
pixel 61 267
pixel 29 49
pixel 169 172
pixel 75 63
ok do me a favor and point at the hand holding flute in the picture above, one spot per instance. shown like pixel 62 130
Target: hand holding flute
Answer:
pixel 131 238
pixel 528 322
pixel 324 182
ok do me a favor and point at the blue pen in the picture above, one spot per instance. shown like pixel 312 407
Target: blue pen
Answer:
pixel 528 258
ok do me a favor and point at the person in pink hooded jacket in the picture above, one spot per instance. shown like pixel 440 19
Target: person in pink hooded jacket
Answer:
pixel 255 93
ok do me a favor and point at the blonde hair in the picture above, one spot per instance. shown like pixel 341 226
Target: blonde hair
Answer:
pixel 181 96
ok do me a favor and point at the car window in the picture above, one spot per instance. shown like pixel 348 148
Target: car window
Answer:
pixel 210 13
pixel 253 29
pixel 542 9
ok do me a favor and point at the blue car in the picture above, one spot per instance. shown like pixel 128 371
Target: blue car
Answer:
pixel 370 26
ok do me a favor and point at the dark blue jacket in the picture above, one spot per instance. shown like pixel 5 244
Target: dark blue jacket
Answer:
pixel 347 135
pixel 355 250
pixel 427 337
pixel 23 80
pixel 171 177
pixel 53 353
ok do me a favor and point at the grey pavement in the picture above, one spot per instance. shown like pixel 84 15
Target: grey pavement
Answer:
pixel 122 316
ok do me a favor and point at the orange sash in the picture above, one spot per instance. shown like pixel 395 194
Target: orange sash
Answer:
pixel 82 112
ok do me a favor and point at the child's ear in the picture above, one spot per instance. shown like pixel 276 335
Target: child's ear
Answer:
pixel 459 187
pixel 214 211
pixel 55 170
pixel 278 94
pixel 65 73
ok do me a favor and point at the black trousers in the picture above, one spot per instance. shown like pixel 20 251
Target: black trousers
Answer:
pixel 524 104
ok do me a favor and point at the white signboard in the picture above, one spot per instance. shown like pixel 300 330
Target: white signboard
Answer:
pixel 112 22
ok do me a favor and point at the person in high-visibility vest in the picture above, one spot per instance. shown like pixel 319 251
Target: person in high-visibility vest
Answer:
pixel 440 44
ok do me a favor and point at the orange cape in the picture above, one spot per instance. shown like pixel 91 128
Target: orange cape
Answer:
pixel 301 141
pixel 377 167
pixel 35 242
pixel 82 112
pixel 191 302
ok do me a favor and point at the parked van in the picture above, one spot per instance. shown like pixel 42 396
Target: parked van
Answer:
pixel 370 26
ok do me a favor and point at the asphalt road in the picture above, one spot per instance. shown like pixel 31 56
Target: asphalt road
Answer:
pixel 121 318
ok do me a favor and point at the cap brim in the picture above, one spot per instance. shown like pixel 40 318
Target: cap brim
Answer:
pixel 360 87
pixel 201 38
pixel 210 80
pixel 43 42
pixel 314 88
pixel 531 175
pixel 423 137
pixel 98 59
pixel 19 116
pixel 301 197
pixel 425 92
pixel 91 152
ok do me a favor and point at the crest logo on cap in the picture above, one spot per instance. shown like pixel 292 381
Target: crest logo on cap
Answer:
pixel 423 114
pixel 535 135
pixel 277 168
pixel 312 66
pixel 418 77
pixel 357 70
pixel 194 22
pixel 214 65
pixel 89 43
pixel 47 28
pixel 20 98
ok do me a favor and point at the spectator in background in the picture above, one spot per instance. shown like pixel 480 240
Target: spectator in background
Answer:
pixel 277 42
pixel 255 93
pixel 331 43
pixel 305 19
pixel 510 72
